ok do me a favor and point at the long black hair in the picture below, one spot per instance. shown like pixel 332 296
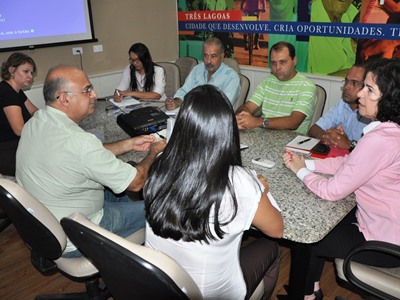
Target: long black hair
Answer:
pixel 386 73
pixel 187 182
pixel 144 56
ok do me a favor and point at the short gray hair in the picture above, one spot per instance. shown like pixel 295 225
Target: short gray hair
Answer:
pixel 216 41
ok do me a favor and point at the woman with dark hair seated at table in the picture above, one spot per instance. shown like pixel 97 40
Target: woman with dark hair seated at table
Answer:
pixel 16 109
pixel 371 171
pixel 142 78
pixel 199 200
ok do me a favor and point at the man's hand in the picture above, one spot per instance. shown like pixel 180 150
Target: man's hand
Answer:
pixel 158 147
pixel 247 120
pixel 336 137
pixel 139 143
pixel 143 142
pixel 143 167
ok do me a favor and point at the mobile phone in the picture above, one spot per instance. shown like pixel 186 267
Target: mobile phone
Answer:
pixel 321 149
pixel 263 162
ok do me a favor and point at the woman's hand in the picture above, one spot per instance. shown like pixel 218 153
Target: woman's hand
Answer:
pixel 264 182
pixel 118 96
pixel 293 161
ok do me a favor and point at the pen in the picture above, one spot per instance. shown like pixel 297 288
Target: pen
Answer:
pixel 303 141
pixel 117 93
pixel 161 136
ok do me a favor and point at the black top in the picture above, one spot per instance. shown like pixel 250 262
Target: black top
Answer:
pixel 8 97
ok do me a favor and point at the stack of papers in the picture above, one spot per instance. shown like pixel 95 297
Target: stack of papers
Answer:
pixel 172 112
pixel 126 101
pixel 302 144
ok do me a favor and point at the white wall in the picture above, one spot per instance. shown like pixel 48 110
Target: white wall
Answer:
pixel 117 25
pixel 105 84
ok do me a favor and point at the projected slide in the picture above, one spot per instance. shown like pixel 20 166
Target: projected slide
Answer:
pixel 43 21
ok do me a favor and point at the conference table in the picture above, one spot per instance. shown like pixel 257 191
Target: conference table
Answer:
pixel 307 218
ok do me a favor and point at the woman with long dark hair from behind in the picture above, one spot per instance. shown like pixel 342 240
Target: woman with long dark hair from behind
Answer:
pixel 142 78
pixel 199 200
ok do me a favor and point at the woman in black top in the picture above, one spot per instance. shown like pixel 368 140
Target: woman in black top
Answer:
pixel 16 109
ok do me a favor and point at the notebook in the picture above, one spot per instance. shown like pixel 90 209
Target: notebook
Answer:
pixel 302 144
pixel 125 102
pixel 172 112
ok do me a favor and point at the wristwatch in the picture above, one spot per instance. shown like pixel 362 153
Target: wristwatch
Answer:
pixel 265 123
pixel 353 144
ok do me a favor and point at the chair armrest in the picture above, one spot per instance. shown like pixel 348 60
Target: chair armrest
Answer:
pixel 375 246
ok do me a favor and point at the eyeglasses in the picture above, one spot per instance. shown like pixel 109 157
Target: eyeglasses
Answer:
pixel 86 91
pixel 133 60
pixel 353 83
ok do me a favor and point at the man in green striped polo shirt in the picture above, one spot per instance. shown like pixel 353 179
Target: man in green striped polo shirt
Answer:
pixel 287 98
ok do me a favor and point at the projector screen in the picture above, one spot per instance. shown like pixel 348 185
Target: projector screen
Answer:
pixel 44 23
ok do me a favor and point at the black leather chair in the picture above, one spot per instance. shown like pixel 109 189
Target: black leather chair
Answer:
pixel 133 271
pixel 4 219
pixel 130 271
pixel 383 283
pixel 44 236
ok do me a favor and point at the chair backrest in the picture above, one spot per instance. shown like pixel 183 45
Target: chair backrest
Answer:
pixel 4 220
pixel 383 283
pixel 185 64
pixel 172 77
pixel 319 107
pixel 244 90
pixel 36 225
pixel 233 63
pixel 129 270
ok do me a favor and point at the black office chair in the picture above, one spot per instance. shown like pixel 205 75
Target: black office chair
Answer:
pixel 4 219
pixel 383 283
pixel 130 271
pixel 44 236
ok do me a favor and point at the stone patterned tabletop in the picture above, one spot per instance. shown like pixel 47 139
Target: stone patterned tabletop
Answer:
pixel 307 217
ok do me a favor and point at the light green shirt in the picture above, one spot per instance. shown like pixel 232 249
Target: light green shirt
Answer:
pixel 66 168
pixel 279 98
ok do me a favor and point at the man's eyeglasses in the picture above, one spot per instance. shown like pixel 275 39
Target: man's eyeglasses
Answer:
pixel 86 91
pixel 353 83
